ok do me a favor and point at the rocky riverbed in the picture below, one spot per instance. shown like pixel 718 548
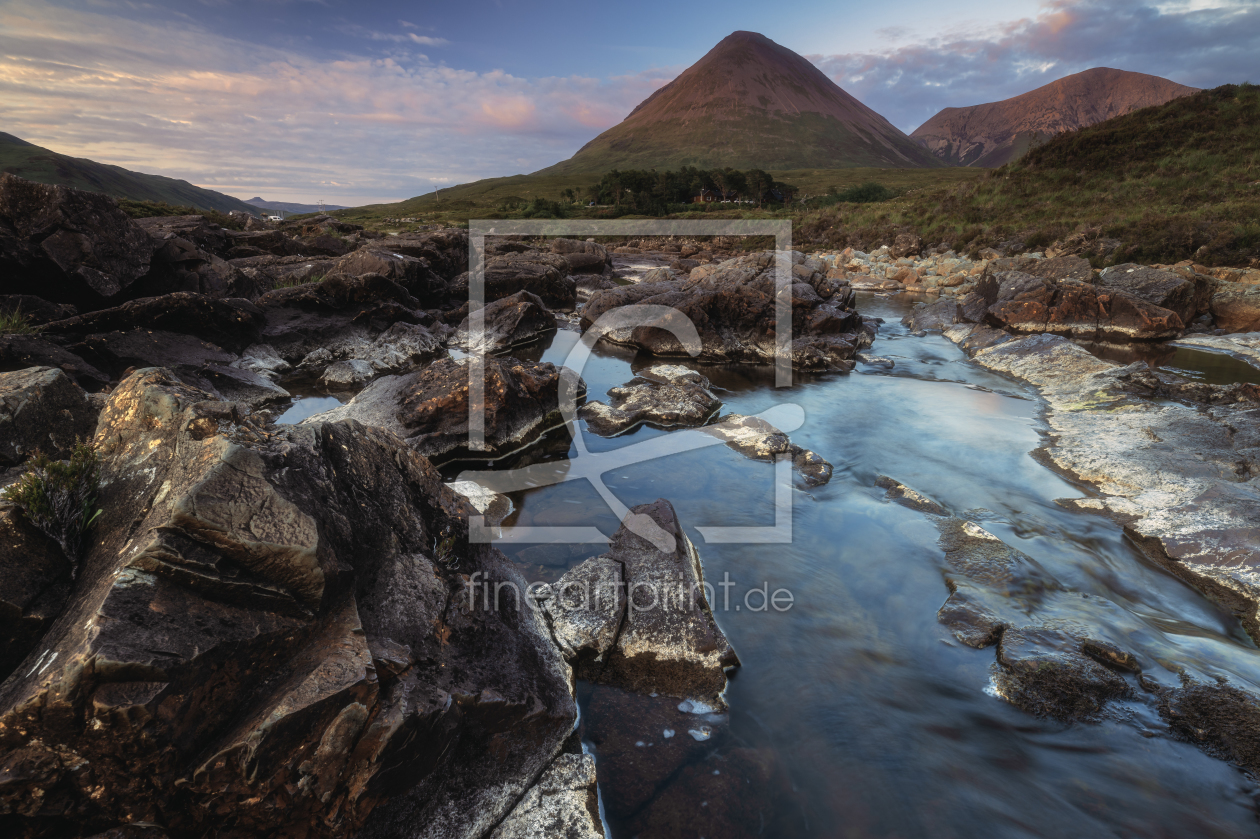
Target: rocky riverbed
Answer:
pixel 299 629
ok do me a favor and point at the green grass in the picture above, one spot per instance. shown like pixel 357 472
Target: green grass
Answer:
pixel 153 209
pixel 293 282
pixel 16 322
pixel 59 497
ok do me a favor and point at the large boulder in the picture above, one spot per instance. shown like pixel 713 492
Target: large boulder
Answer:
pixel 507 323
pixel 582 257
pixel 638 617
pixel 1024 303
pixel 430 408
pixel 179 265
pixel 1057 268
pixel 35 578
pixel 543 274
pixel 199 230
pixel 445 250
pixel 66 245
pixel 731 308
pixel 563 804
pixel 411 273
pixel 41 408
pixel 277 636
pixel 1161 288
pixel 1235 307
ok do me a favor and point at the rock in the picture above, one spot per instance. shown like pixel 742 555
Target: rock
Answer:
pixel 545 275
pixel 410 273
pixel 755 438
pixel 445 250
pixel 71 246
pixel 198 230
pixel 232 323
pixel 275 636
pixel 563 803
pixel 1160 288
pixel 41 408
pixel 1221 719
pixel 684 266
pixel 669 641
pixel 663 395
pixel 1072 268
pixel 1156 384
pixel 906 244
pixel 1244 346
pixel 731 308
pixel 1024 303
pixel 36 309
pixel 325 245
pixel 585 609
pixel 1045 672
pixel 18 352
pixel 508 322
pixel 35 579
pixel 1236 307
pixel 429 408
pixel 348 373
pixel 494 507
pixel 941 315
pixel 179 265
pixel 907 497
pixel 255 242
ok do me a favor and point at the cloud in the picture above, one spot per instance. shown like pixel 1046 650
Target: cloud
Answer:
pixel 1203 43
pixel 182 101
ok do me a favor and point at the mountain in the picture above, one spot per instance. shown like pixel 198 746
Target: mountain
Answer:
pixel 748 103
pixel 263 204
pixel 34 163
pixel 999 132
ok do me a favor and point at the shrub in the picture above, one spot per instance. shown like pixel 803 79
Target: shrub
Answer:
pixel 59 497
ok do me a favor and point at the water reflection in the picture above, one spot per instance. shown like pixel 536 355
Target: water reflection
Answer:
pixel 856 713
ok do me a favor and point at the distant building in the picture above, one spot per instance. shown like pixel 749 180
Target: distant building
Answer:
pixel 708 196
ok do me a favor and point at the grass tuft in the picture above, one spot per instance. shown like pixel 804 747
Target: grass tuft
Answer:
pixel 59 497
pixel 16 322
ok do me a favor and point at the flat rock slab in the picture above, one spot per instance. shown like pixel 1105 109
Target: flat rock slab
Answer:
pixel 665 396
pixel 430 408
pixel 755 438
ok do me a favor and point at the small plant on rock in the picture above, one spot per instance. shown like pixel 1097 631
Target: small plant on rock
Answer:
pixel 15 322
pixel 59 497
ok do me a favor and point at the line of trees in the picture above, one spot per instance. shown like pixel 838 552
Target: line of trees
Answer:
pixel 650 191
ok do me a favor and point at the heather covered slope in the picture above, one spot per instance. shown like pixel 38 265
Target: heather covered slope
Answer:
pixel 994 134
pixel 748 103
pixel 27 160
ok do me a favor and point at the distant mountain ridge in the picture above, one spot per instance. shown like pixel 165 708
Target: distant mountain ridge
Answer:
pixel 289 207
pixel 996 133
pixel 27 160
pixel 749 102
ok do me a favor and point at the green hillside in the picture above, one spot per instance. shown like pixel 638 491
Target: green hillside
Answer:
pixel 26 160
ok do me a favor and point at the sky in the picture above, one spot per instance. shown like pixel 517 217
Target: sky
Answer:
pixel 364 102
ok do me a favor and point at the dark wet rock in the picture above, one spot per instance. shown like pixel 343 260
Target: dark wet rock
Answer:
pixel 325 245
pixel 509 322
pixel 198 230
pixel 232 323
pixel 179 265
pixel 731 794
pixel 41 408
pixel 274 636
pixel 906 244
pixel 37 310
pixel 1045 672
pixel 938 315
pixel 430 408
pixel 445 250
pixel 585 610
pixel 1221 719
pixel 1026 303
pixel 664 395
pixel 755 438
pixel 669 641
pixel 18 352
pixel 1160 288
pixel 583 257
pixel 1235 307
pixel 270 272
pixel 543 274
pixel 684 266
pixel 906 497
pixel 409 272
pixel 35 580
pixel 641 742
pixel 71 246
pixel 564 804
pixel 731 308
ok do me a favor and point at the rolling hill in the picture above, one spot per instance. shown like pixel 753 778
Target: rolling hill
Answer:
pixel 995 134
pixel 27 160
pixel 749 103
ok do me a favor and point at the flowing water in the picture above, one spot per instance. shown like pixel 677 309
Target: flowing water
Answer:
pixel 855 713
